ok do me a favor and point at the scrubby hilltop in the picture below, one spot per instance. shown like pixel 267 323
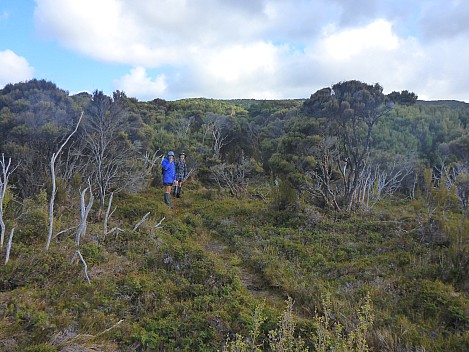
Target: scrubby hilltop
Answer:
pixel 337 222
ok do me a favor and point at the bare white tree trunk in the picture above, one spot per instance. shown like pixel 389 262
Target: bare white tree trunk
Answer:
pixel 3 187
pixel 149 162
pixel 183 127
pixel 219 140
pixel 141 221
pixel 54 189
pixel 85 267
pixel 378 183
pixel 7 256
pixel 118 231
pixel 106 217
pixel 158 225
pixel 63 231
pixel 84 213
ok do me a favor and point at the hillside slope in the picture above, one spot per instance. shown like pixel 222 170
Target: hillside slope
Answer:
pixel 195 280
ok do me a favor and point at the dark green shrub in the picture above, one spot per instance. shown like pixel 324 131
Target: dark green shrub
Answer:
pixel 33 223
pixel 92 253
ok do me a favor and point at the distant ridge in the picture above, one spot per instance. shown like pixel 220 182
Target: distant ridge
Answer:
pixel 450 103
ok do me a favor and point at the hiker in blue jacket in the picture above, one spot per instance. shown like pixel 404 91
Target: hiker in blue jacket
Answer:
pixel 169 176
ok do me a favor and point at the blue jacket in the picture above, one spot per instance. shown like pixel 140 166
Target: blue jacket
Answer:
pixel 169 171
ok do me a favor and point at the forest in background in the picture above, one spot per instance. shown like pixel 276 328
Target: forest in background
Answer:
pixel 351 203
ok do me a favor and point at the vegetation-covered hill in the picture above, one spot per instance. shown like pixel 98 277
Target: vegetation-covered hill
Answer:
pixel 334 223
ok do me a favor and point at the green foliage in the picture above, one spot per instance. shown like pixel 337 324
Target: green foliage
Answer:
pixel 41 348
pixel 284 195
pixel 9 196
pixel 253 342
pixel 192 281
pixel 33 222
pixel 30 267
pixel 403 98
pixel 328 335
pixel 331 336
pixel 283 338
pixel 93 253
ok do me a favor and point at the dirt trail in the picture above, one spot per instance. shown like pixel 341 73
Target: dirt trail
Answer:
pixel 252 281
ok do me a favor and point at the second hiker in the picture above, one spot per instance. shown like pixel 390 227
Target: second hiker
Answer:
pixel 181 174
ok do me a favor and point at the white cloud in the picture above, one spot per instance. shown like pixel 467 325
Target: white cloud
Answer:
pixel 14 68
pixel 145 33
pixel 99 29
pixel 442 72
pixel 249 70
pixel 265 48
pixel 344 45
pixel 375 54
pixel 138 84
pixel 372 53
pixel 239 62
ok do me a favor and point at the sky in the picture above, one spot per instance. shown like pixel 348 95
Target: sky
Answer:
pixel 233 49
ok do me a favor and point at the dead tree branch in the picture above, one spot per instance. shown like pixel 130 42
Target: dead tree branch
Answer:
pixel 158 225
pixel 4 176
pixel 118 231
pixel 106 217
pixel 63 231
pixel 85 266
pixel 7 256
pixel 54 189
pixel 140 222
pixel 109 329
pixel 84 213
pixel 149 162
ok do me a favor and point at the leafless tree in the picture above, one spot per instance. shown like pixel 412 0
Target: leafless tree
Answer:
pixel 113 162
pixel 207 127
pixel 219 127
pixel 150 161
pixel 233 176
pixel 378 181
pixel 183 127
pixel 458 176
pixel 108 213
pixel 85 209
pixel 74 163
pixel 10 240
pixel 54 189
pixel 85 266
pixel 4 176
pixel 322 183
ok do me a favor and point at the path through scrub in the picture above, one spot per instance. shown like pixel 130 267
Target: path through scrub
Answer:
pixel 252 281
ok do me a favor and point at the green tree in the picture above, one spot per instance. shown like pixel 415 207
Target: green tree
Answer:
pixel 403 98
pixel 350 111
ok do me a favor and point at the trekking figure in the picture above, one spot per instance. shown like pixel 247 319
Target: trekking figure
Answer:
pixel 169 176
pixel 181 174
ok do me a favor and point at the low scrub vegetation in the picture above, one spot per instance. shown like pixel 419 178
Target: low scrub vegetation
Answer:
pixel 334 223
pixel 354 282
